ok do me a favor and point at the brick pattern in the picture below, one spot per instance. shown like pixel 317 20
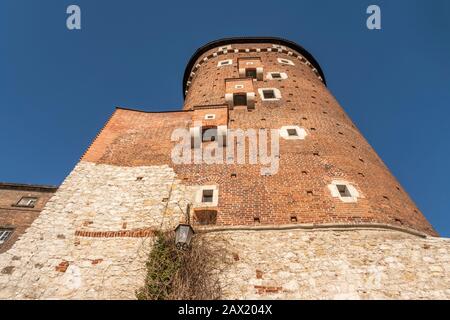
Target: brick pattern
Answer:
pixel 139 233
pixel 333 149
pixel 62 266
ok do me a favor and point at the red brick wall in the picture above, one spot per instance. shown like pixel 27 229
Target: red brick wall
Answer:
pixel 19 218
pixel 299 189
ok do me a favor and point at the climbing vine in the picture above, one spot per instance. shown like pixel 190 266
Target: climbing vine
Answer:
pixel 181 275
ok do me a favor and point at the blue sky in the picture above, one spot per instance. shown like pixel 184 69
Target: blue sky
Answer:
pixel 58 87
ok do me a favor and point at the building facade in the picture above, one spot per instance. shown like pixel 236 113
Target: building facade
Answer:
pixel 319 216
pixel 20 204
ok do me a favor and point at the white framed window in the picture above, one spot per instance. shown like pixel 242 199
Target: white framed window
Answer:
pixel 239 86
pixel 276 75
pixel 207 196
pixel 210 116
pixel 5 234
pixel 344 191
pixel 29 202
pixel 269 94
pixel 286 61
pixel 223 63
pixel 223 48
pixel 293 133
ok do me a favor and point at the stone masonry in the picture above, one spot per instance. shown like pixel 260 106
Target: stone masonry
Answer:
pixel 334 264
pixel 92 239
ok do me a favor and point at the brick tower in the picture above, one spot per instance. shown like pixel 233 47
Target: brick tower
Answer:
pixel 328 172
pixel 330 222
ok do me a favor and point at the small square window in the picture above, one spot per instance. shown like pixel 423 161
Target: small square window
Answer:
pixel 269 94
pixel 207 195
pixel 343 191
pixel 5 234
pixel 250 73
pixel 239 86
pixel 210 117
pixel 292 132
pixel 276 75
pixel 240 100
pixel 29 202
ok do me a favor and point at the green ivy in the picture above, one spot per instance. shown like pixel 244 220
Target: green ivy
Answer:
pixel 163 263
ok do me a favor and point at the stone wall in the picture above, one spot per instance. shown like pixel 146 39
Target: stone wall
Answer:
pixel 92 239
pixel 334 264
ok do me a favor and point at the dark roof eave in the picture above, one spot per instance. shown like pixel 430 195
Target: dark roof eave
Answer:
pixel 29 187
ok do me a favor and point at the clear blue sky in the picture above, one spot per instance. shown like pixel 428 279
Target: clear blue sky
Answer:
pixel 58 87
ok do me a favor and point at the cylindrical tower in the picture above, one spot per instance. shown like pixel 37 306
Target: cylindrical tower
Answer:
pixel 328 173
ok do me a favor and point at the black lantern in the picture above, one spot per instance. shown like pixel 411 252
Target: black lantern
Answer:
pixel 183 236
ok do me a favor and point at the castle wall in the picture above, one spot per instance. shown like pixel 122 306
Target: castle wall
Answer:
pixel 334 264
pixel 92 239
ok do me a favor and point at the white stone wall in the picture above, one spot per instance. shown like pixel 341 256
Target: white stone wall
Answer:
pixel 50 261
pixel 57 258
pixel 331 264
